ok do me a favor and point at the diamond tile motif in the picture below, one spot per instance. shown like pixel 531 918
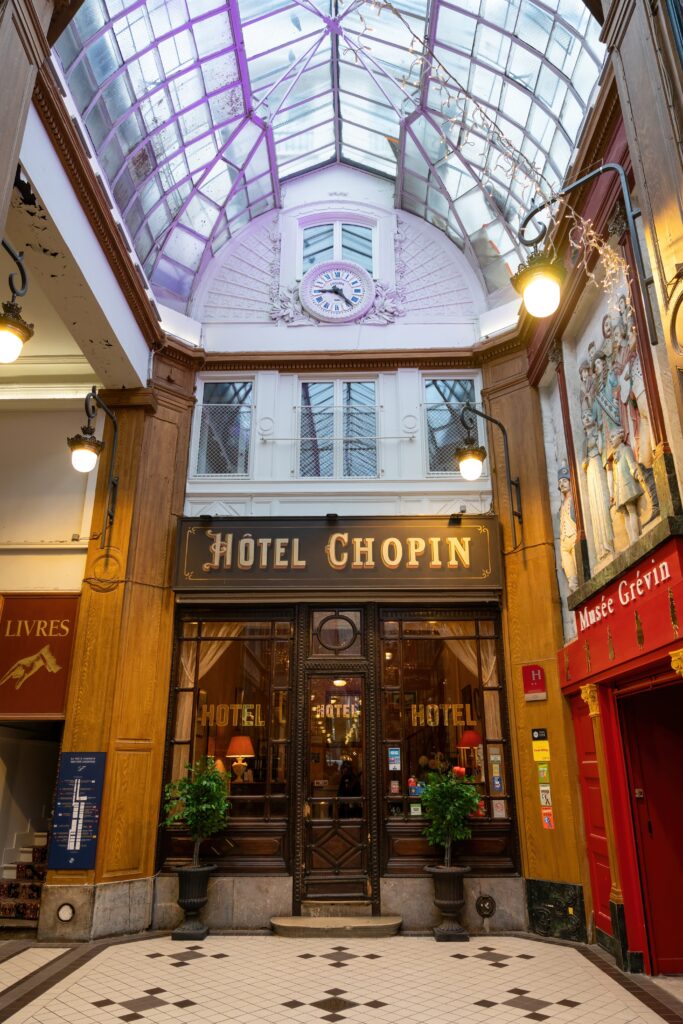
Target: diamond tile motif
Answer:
pixel 333 1004
pixel 268 980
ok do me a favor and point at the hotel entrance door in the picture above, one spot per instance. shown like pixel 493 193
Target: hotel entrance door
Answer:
pixel 336 861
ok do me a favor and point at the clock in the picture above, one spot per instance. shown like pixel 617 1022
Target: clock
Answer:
pixel 337 291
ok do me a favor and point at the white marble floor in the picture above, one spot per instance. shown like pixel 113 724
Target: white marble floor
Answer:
pixel 254 979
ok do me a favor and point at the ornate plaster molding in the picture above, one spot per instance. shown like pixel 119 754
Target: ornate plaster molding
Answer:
pixel 589 694
pixel 387 307
pixel 677 661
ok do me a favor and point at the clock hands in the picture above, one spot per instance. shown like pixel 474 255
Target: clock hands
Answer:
pixel 336 290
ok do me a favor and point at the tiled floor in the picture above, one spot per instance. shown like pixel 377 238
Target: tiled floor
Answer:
pixel 255 979
pixel 26 962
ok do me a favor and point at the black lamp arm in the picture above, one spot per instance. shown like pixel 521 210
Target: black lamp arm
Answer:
pixel 18 258
pixel 467 415
pixel 631 214
pixel 92 403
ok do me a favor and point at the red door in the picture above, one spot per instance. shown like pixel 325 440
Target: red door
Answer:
pixel 653 739
pixel 593 815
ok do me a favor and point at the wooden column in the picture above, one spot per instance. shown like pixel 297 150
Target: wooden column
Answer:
pixel 119 687
pixel 533 630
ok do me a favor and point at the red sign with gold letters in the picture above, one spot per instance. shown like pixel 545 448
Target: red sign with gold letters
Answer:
pixel 636 615
pixel 36 640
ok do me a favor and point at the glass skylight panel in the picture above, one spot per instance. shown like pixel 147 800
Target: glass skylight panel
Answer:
pixel 182 134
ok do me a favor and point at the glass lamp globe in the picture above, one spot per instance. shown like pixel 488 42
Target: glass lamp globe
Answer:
pixel 471 462
pixel 85 451
pixel 11 344
pixel 471 468
pixel 541 294
pixel 83 459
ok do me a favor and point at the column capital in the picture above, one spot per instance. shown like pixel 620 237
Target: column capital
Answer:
pixel 677 661
pixel 589 694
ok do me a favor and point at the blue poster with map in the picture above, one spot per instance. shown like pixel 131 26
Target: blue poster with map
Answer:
pixel 76 819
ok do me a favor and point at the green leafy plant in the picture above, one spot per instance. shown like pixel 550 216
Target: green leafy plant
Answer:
pixel 199 802
pixel 447 800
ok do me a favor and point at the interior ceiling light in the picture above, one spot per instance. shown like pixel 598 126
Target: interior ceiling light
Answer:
pixel 539 281
pixel 14 331
pixel 339 682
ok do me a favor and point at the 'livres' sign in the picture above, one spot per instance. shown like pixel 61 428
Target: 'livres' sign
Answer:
pixel 36 640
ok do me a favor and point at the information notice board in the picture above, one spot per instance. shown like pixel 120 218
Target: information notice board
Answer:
pixel 76 822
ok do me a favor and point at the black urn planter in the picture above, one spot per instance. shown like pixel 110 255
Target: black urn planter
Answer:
pixel 449 898
pixel 193 883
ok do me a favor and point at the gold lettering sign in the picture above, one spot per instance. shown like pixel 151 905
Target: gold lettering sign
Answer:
pixel 257 553
pixel 442 714
pixel 247 716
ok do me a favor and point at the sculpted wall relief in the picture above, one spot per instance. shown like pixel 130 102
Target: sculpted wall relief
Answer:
pixel 611 427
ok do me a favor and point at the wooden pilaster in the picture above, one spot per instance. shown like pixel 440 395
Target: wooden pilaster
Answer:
pixel 121 667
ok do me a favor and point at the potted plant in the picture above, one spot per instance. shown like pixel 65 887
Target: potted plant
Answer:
pixel 448 799
pixel 200 803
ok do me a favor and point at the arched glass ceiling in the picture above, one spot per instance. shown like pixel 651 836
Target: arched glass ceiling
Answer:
pixel 198 109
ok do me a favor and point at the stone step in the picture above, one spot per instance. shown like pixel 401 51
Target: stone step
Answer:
pixel 8 871
pixel 336 908
pixel 337 927
pixel 40 838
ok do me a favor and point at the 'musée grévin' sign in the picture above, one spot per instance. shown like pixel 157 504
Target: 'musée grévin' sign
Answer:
pixel 421 553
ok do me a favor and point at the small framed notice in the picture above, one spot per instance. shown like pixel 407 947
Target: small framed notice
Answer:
pixel 499 809
pixel 394 758
pixel 416 810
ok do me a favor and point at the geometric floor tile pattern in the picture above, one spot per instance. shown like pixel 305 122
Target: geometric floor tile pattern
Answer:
pixel 26 962
pixel 274 980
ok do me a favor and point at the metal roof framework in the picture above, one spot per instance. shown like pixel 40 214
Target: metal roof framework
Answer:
pixel 198 110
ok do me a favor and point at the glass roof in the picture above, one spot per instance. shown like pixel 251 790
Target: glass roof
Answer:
pixel 198 109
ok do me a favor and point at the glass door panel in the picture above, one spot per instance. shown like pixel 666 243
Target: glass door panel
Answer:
pixel 335 808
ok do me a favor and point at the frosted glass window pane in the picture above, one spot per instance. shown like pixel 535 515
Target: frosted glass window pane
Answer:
pixel 357 244
pixel 318 244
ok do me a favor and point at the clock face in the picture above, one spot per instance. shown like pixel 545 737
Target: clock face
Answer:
pixel 337 292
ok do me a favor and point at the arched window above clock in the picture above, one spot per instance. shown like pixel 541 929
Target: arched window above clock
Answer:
pixel 337 239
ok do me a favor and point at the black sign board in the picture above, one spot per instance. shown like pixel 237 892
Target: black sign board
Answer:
pixel 539 734
pixel 422 553
pixel 73 845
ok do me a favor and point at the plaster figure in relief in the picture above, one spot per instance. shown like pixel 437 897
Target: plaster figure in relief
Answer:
pixel 642 437
pixel 607 336
pixel 597 488
pixel 587 388
pixel 626 477
pixel 568 532
pixel 606 406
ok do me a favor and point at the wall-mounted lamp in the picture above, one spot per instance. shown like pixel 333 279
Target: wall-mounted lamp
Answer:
pixel 470 458
pixel 14 331
pixel 539 279
pixel 86 449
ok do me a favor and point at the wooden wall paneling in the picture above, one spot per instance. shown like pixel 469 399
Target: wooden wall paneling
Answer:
pixel 532 631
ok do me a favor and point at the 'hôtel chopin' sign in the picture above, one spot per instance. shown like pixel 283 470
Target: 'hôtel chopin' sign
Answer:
pixel 259 554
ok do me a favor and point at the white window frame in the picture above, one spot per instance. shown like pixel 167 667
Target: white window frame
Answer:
pixel 336 220
pixel 320 378
pixel 218 378
pixel 481 425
